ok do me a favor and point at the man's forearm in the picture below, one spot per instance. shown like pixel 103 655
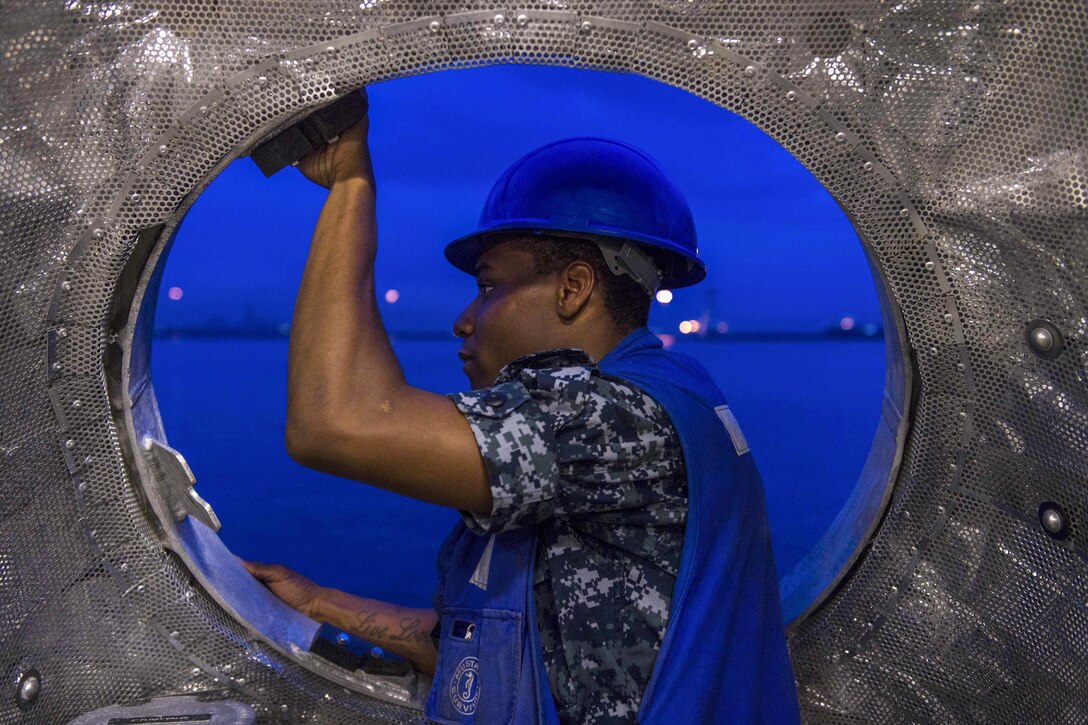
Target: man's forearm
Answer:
pixel 401 630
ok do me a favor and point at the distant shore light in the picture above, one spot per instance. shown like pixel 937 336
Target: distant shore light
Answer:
pixel 847 323
pixel 175 293
pixel 722 327
pixel 664 296
pixel 685 327
pixel 391 296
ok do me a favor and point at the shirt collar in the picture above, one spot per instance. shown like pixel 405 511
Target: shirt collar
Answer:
pixel 561 357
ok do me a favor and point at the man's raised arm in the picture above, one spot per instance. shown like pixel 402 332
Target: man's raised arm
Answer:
pixel 349 410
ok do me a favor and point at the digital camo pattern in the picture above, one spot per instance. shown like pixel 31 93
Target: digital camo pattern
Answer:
pixel 597 465
pixel 952 587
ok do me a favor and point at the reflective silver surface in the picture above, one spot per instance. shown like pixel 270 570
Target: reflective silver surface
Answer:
pixel 952 132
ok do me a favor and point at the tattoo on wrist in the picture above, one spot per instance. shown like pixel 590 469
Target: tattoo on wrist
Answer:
pixel 408 629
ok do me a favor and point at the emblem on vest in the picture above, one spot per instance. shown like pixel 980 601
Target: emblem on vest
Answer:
pixel 465 686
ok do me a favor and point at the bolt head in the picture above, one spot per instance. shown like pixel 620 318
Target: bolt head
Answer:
pixel 1052 520
pixel 342 639
pixel 28 687
pixel 1042 339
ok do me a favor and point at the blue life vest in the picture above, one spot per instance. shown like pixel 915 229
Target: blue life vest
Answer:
pixel 724 656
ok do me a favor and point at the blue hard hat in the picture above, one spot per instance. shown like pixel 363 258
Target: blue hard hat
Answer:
pixel 590 187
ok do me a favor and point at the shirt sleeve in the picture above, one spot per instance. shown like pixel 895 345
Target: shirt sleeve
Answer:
pixel 518 426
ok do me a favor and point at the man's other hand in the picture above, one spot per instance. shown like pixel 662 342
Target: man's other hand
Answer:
pixel 346 158
pixel 295 590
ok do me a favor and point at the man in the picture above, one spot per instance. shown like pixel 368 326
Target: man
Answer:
pixel 614 560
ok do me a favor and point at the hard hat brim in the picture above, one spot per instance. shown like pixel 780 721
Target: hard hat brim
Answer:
pixel 679 267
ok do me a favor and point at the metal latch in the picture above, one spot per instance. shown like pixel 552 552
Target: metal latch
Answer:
pixel 176 483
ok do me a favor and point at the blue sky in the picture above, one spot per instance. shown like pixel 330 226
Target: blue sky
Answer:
pixel 781 254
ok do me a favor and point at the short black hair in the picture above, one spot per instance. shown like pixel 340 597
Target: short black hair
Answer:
pixel 624 299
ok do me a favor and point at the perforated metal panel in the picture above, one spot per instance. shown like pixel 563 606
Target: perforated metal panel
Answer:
pixel 952 132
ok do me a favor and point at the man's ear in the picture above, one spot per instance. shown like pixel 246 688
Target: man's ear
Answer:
pixel 576 286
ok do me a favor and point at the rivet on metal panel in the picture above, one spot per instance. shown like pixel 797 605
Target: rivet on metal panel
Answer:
pixel 586 26
pixel 1054 520
pixel 868 166
pixel 930 266
pixel 750 70
pixel 27 688
pixel 840 136
pixel 791 95
pixel 435 26
pixel 523 19
pixel 1041 339
pixel 498 20
pixel 1045 339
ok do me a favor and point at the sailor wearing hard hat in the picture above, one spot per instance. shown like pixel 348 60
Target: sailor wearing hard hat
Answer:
pixel 613 562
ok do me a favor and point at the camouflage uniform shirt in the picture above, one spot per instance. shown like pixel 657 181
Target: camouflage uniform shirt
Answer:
pixel 596 465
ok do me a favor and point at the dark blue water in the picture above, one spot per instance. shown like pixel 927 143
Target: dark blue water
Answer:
pixel 808 409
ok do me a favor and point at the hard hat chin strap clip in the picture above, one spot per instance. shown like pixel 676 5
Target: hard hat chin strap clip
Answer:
pixel 623 257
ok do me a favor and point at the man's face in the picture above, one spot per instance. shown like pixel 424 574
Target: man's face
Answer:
pixel 512 314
